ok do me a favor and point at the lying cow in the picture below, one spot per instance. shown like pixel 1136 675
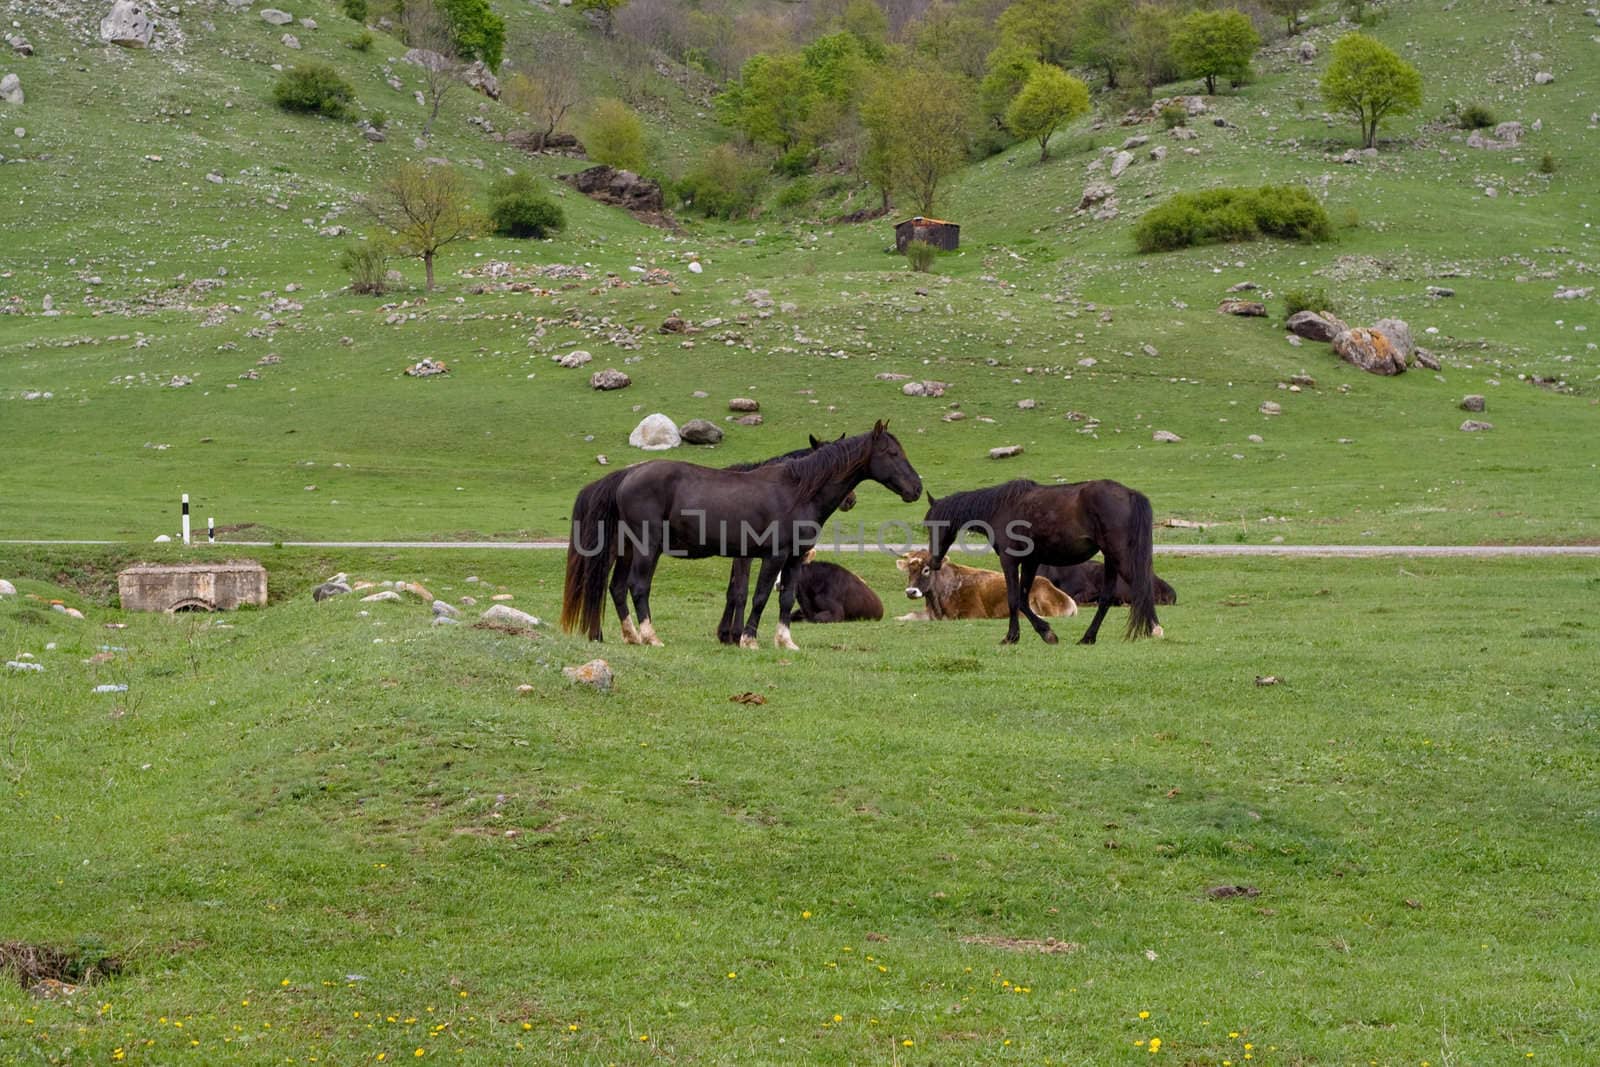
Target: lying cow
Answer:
pixel 827 592
pixel 1083 582
pixel 957 592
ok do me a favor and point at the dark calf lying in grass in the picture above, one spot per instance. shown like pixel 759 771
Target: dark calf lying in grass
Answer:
pixel 827 592
pixel 1083 582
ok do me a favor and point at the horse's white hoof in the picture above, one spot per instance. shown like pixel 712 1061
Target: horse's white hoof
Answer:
pixel 746 641
pixel 647 634
pixel 630 633
pixel 782 639
pixel 1157 631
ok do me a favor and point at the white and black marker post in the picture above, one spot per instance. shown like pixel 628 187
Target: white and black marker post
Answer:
pixel 186 518
pixel 211 530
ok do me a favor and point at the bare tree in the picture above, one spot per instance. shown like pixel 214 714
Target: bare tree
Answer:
pixel 428 33
pixel 552 89
pixel 422 209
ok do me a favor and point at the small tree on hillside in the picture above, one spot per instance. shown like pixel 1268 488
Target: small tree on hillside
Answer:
pixel 422 209
pixel 1101 36
pixel 1150 45
pixel 1368 81
pixel 1042 28
pixel 923 124
pixel 607 10
pixel 427 29
pixel 551 90
pixel 1212 44
pixel 1009 69
pixel 478 33
pixel 1290 10
pixel 1050 98
pixel 615 136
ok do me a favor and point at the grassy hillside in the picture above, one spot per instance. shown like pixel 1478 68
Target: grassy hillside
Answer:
pixel 380 846
pixel 501 445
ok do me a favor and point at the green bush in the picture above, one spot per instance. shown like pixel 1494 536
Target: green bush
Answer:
pixel 1218 215
pixel 796 195
pixel 1475 117
pixel 614 135
pixel 921 254
pixel 1547 163
pixel 795 162
pixel 368 267
pixel 361 42
pixel 1174 115
pixel 519 208
pixel 378 117
pixel 1297 300
pixel 355 9
pixel 314 88
pixel 725 184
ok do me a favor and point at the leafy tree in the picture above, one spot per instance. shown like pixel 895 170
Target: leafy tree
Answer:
pixel 953 38
pixel 724 184
pixel 771 99
pixel 1050 98
pixel 519 208
pixel 355 9
pixel 1209 44
pixel 608 13
pixel 1009 69
pixel 1370 83
pixel 1101 36
pixel 615 136
pixel 422 209
pixel 1039 27
pixel 1150 44
pixel 865 21
pixel 921 127
pixel 1290 10
pixel 478 33
pixel 314 88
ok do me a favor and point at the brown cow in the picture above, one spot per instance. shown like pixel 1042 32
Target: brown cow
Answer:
pixel 957 592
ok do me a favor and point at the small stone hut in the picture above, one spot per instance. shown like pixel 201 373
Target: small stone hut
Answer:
pixel 938 233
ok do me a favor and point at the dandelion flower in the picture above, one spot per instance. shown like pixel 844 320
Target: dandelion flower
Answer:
pixel 733 974
pixel 840 1018
pixel 908 1043
pixel 1144 1015
pixel 805 915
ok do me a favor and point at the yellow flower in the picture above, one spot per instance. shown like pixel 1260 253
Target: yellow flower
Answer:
pixel 1233 1033
pixel 1155 1043
pixel 805 915
pixel 733 974
pixel 284 982
pixel 573 1027
pixel 1144 1015
pixel 420 1053
pixel 908 1042
pixel 382 1056
pixel 840 1018
pixel 644 1037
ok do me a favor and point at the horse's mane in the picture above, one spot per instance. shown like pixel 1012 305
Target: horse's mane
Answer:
pixel 815 469
pixel 754 464
pixel 977 505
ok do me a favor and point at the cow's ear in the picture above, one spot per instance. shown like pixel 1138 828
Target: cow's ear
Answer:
pixel 903 562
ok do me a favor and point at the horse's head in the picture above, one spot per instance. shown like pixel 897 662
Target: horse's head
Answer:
pixel 850 501
pixel 940 536
pixel 888 466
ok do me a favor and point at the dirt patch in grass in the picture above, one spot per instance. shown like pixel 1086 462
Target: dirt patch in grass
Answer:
pixel 34 965
pixel 1049 946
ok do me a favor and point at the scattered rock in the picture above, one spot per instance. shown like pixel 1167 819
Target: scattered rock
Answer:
pixel 609 379
pixel 700 432
pixel 752 419
pixel 1574 294
pixel 1440 292
pixel 743 403
pixel 1425 358
pixel 674 324
pixel 595 673
pixel 1026 405
pixel 1475 426
pixel 573 359
pixel 128 25
pixel 1544 77
pixel 289 40
pixel 620 187
pixel 1005 451
pixel 1270 407
pixel 655 433
pixel 933 389
pixel 7 589
pixel 506 615
pixel 1158 153
pixel 275 17
pixel 427 368
pixel 1246 308
pixel 1120 163
pixel 329 589
pixel 443 610
pixel 479 77
pixel 1267 679
pixel 23 665
pixel 1094 193
pixel 1370 350
pixel 19 44
pixel 11 90
pixel 1306 52
pixel 1166 437
pixel 1399 335
pixel 1315 325
pixel 384 595
pixel 1472 402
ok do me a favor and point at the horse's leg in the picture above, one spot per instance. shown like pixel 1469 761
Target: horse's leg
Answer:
pixel 770 566
pixel 640 576
pixel 1108 593
pixel 1008 566
pixel 786 594
pixel 733 612
pixel 1026 572
pixel 619 597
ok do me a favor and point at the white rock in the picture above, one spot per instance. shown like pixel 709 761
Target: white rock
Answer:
pixel 1122 162
pixel 11 90
pixel 7 589
pixel 127 25
pixel 1166 437
pixel 695 267
pixel 656 433
pixel 275 17
pixel 573 359
pixel 387 594
pixel 510 616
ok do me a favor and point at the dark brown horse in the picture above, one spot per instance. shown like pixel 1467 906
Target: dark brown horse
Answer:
pixel 624 523
pixel 732 622
pixel 1083 582
pixel 1028 524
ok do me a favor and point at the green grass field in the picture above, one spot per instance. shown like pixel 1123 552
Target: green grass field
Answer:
pixel 853 871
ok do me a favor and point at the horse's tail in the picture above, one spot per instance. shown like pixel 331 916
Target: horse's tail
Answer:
pixel 590 555
pixel 1137 557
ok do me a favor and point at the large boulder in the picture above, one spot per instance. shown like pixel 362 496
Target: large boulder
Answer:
pixel 11 90
pixel 609 379
pixel 620 187
pixel 1399 335
pixel 1250 309
pixel 128 25
pixel 1370 350
pixel 482 79
pixel 700 432
pixel 1121 162
pixel 656 433
pixel 1315 325
pixel 274 17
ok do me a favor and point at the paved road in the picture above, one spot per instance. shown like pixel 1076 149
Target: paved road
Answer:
pixel 1353 551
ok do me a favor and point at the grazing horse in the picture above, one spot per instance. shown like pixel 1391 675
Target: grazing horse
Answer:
pixel 623 524
pixel 1028 524
pixel 732 623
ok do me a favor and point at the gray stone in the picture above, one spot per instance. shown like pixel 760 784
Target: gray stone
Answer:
pixel 1371 350
pixel 11 90
pixel 700 432
pixel 1399 335
pixel 449 611
pixel 510 616
pixel 1472 402
pixel 1544 77
pixel 596 674
pixel 655 433
pixel 291 41
pixel 1138 141
pixel 19 44
pixel 482 79
pixel 1306 52
pixel 7 589
pixel 1440 292
pixel 609 379
pixel 1005 451
pixel 743 403
pixel 275 17
pixel 573 359
pixel 1474 426
pixel 934 389
pixel 1027 404
pixel 1315 326
pixel 1270 407
pixel 1246 308
pixel 328 590
pixel 128 25
pixel 1121 163
pixel 385 595
pixel 752 419
pixel 1166 437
